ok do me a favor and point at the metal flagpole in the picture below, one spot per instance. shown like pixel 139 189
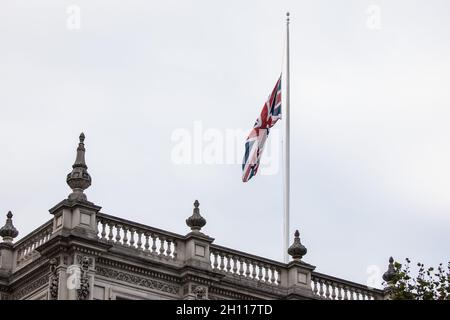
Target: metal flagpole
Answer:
pixel 287 151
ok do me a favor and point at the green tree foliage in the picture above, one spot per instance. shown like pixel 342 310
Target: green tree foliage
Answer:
pixel 429 284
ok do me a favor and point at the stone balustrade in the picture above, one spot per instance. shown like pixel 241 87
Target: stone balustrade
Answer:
pixel 25 248
pixel 239 264
pixel 331 288
pixel 229 262
pixel 114 254
pixel 232 263
pixel 130 234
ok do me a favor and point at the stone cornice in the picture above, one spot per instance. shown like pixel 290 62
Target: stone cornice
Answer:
pixel 27 270
pixel 144 257
pixel 229 294
pixel 30 287
pixel 104 262
pixel 72 242
pixel 256 288
pixel 130 278
pixel 66 203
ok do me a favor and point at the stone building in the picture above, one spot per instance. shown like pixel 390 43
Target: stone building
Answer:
pixel 83 253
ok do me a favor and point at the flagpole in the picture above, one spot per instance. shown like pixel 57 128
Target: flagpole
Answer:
pixel 287 151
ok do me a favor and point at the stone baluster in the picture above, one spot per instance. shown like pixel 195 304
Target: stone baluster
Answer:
pixel 147 244
pixel 110 235
pixel 320 287
pixel 215 263
pixel 235 268
pixel 161 246
pixel 125 236
pixel 278 277
pixel 169 250
pixel 327 290
pixel 247 268
pixel 228 263
pixel 260 275
pixel 132 232
pixel 339 291
pixel 153 243
pixel 241 266
pixel 118 227
pixel 314 286
pixel 333 291
pixel 175 251
pixel 272 275
pixel 266 274
pixel 103 234
pixel 253 270
pixel 25 250
pixel 222 264
pixel 139 242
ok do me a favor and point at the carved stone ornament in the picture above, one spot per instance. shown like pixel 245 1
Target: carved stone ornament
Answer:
pixel 83 291
pixel 54 280
pixel 196 222
pixel 138 280
pixel 297 250
pixel 200 293
pixel 390 274
pixel 79 179
pixel 8 232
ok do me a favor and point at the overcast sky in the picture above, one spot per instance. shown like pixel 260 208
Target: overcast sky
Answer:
pixel 370 118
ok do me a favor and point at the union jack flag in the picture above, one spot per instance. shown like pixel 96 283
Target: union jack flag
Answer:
pixel 255 142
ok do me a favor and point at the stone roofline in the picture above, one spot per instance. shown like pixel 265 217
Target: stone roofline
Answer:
pixel 108 248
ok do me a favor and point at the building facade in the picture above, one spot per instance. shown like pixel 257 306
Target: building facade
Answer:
pixel 85 254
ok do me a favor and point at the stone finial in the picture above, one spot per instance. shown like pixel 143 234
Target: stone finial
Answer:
pixel 79 179
pixel 390 274
pixel 297 250
pixel 8 231
pixel 196 221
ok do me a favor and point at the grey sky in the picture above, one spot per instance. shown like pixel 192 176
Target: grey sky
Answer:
pixel 370 112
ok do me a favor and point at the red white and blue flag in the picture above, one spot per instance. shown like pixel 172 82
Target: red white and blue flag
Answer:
pixel 254 145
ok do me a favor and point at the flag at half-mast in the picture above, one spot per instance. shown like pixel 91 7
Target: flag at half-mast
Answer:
pixel 254 145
